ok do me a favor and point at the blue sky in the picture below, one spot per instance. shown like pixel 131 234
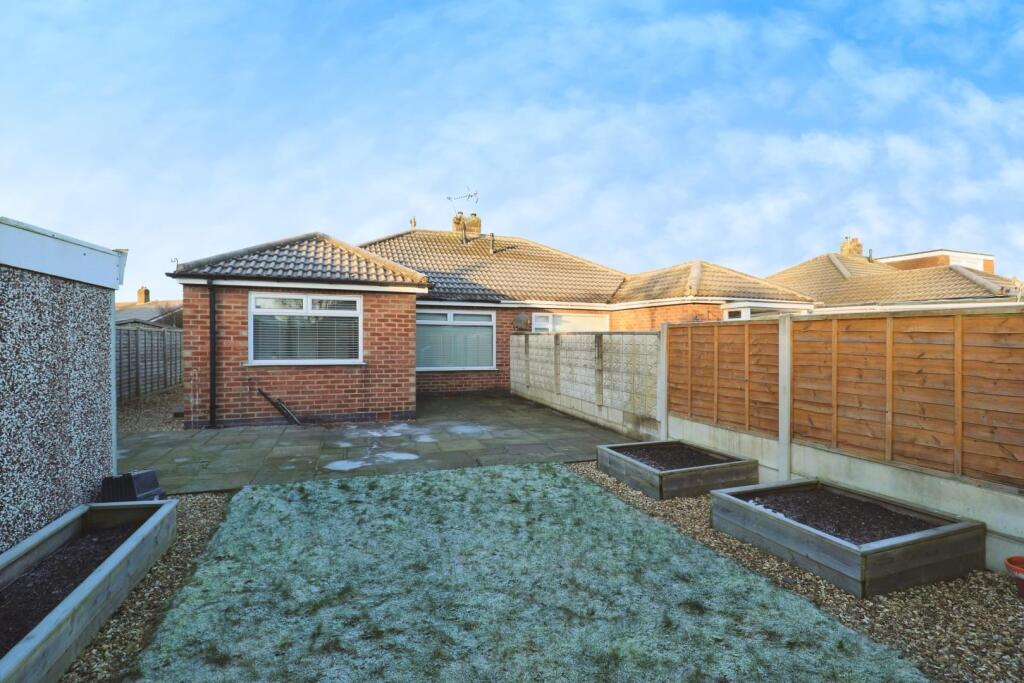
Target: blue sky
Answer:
pixel 637 136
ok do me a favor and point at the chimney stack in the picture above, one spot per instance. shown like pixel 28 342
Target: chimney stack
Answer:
pixel 473 225
pixel 851 246
pixel 467 226
pixel 142 296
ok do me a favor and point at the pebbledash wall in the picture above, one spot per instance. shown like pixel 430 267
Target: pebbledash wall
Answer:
pixel 609 378
pixel 57 417
pixel 383 387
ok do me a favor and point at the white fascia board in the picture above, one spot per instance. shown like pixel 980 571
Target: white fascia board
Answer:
pixel 930 306
pixel 778 305
pixel 933 252
pixel 43 251
pixel 282 284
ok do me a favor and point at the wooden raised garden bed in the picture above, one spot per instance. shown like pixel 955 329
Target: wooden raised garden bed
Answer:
pixel 863 543
pixel 671 469
pixel 86 562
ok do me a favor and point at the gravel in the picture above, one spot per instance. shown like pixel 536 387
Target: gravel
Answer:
pixel 112 654
pixel 969 629
pixel 153 412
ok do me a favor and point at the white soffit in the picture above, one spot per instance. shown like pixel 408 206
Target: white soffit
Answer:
pixel 43 251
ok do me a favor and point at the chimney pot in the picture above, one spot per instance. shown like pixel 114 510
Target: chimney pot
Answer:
pixel 142 296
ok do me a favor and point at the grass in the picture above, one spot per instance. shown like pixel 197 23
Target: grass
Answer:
pixel 499 573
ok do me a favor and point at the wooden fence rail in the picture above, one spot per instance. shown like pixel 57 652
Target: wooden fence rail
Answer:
pixel 942 391
pixel 147 360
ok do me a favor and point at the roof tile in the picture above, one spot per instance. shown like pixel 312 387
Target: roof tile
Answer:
pixel 311 257
pixel 872 282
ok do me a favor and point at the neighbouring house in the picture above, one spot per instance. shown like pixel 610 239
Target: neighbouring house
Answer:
pixel 58 414
pixel 146 313
pixel 848 281
pixel 339 332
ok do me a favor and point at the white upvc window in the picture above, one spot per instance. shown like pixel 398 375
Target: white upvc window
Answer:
pixel 305 329
pixel 570 322
pixel 455 340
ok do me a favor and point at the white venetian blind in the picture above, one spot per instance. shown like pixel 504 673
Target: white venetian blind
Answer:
pixel 449 340
pixel 301 337
pixel 305 328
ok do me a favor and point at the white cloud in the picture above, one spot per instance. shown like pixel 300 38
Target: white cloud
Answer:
pixel 883 89
pixel 639 144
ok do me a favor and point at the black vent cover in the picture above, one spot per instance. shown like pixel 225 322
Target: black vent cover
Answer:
pixel 138 485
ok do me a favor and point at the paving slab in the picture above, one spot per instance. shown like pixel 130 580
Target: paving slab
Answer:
pixel 450 432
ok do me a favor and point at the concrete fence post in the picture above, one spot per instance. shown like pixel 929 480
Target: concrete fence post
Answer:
pixel 557 355
pixel 662 391
pixel 599 368
pixel 785 453
pixel 526 359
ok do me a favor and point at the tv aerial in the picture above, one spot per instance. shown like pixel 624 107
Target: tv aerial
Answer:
pixel 471 195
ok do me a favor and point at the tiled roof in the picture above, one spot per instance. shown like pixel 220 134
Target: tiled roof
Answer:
pixel 517 270
pixel 147 311
pixel 870 282
pixel 312 257
pixel 701 279
pixel 482 269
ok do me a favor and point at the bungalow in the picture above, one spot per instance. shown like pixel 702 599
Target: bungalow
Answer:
pixel 339 332
pixel 848 281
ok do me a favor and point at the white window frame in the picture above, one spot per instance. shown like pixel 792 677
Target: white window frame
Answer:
pixel 451 322
pixel 306 311
pixel 547 320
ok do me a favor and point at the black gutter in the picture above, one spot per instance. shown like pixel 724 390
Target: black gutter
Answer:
pixel 213 355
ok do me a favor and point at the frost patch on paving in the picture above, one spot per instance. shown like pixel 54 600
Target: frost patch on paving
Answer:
pixel 395 455
pixel 388 456
pixel 491 573
pixel 466 429
pixel 345 465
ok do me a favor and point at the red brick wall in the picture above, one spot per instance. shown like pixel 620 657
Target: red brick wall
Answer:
pixel 383 388
pixel 443 382
pixel 651 318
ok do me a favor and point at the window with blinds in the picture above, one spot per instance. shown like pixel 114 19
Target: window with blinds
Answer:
pixel 286 329
pixel 454 340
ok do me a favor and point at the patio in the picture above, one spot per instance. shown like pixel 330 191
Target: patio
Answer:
pixel 465 431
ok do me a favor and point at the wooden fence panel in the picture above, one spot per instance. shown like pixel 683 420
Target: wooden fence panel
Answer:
pixel 813 395
pixel 147 360
pixel 861 386
pixel 726 374
pixel 942 391
pixel 993 398
pixel 924 403
pixel 764 377
pixel 702 373
pixel 679 370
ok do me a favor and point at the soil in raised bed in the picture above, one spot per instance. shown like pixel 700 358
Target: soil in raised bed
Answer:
pixel 26 601
pixel 851 519
pixel 669 456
